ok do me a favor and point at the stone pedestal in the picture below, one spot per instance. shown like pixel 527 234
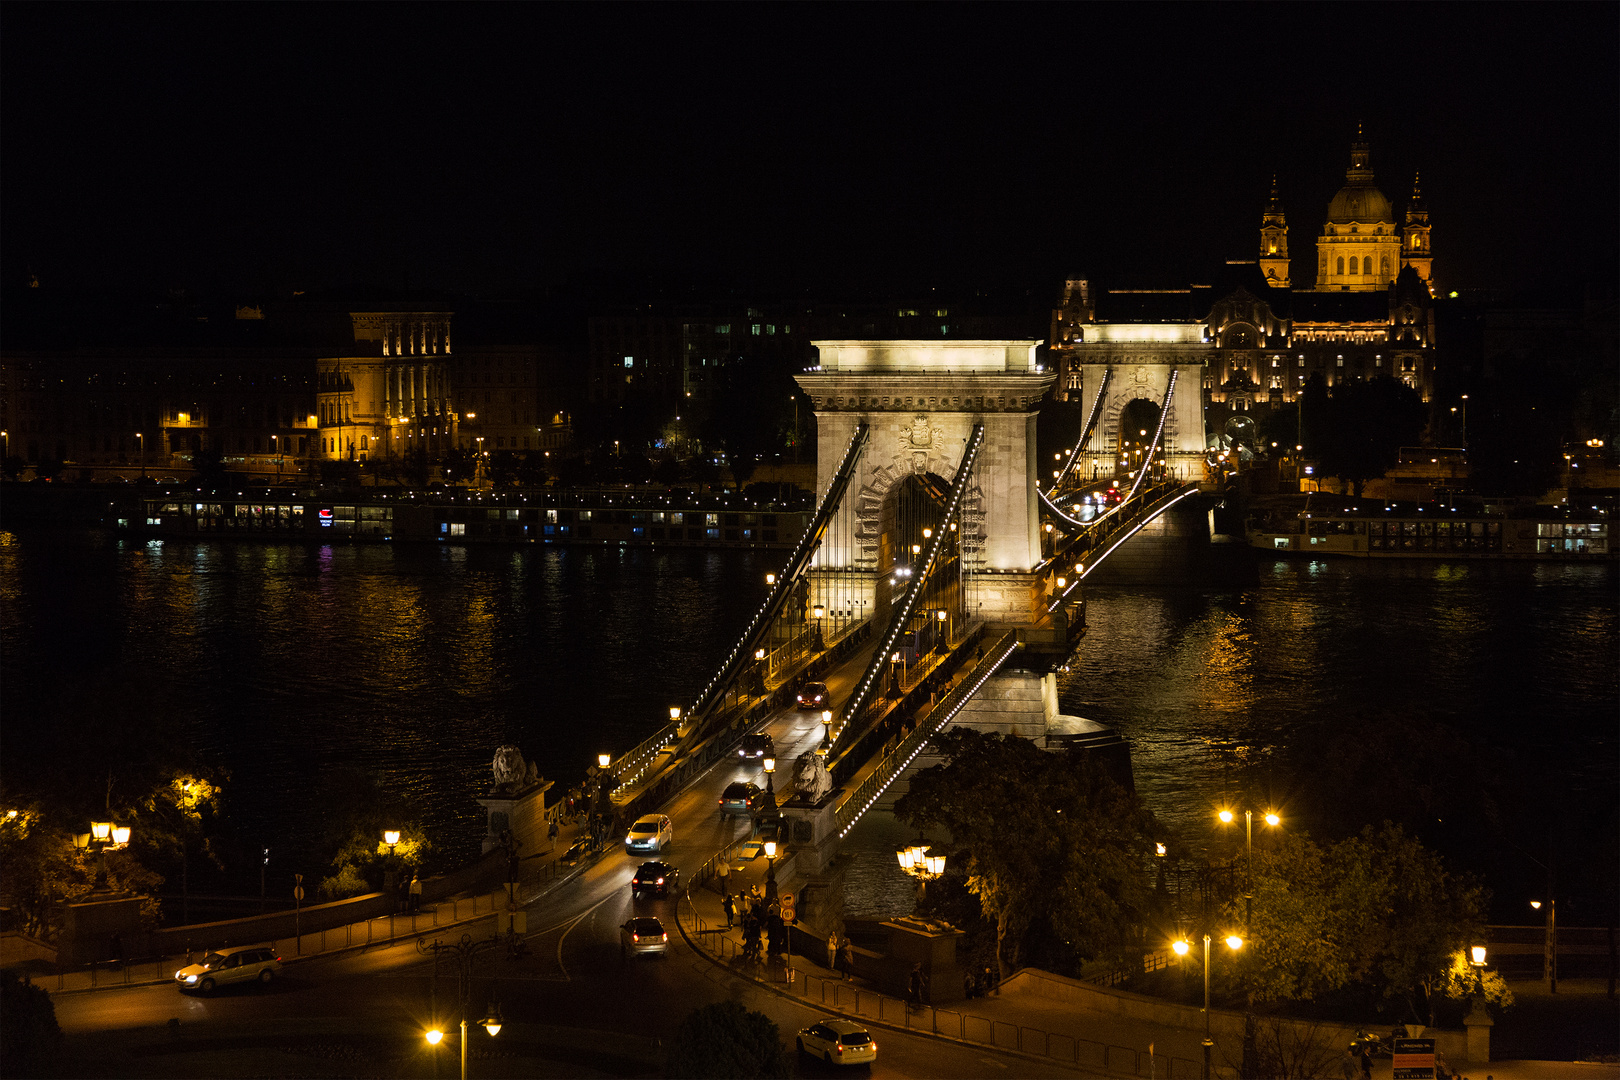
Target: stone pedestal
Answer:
pixel 933 945
pixel 1479 1024
pixel 523 811
pixel 811 832
pixel 1016 702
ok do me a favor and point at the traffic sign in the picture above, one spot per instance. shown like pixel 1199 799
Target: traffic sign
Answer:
pixel 788 914
pixel 298 892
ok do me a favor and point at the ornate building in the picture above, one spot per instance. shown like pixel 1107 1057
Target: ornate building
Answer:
pixel 1255 338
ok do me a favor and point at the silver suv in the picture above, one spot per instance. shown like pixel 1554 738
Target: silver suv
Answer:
pixel 245 963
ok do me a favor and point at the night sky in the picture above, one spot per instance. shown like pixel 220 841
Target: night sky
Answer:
pixel 252 149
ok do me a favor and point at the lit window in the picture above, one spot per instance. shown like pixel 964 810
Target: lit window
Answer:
pixel 629 361
pixel 756 329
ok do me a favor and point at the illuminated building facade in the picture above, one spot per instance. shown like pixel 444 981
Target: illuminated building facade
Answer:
pixel 395 396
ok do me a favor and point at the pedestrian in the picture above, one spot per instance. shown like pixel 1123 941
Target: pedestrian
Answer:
pixel 416 894
pixel 1349 1068
pixel 723 872
pixel 914 987
pixel 1366 1062
pixel 551 833
pixel 846 953
pixel 730 909
pixel 832 951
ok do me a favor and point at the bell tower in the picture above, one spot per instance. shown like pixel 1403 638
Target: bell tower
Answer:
pixel 1274 241
pixel 1415 251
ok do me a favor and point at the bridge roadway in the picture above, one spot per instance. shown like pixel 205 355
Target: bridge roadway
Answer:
pixel 573 1007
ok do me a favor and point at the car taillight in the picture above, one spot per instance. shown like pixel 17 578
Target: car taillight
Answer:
pixel 839 1049
pixel 635 937
pixel 663 937
pixel 660 881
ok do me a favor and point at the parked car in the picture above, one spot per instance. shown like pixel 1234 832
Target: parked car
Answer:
pixel 640 936
pixel 245 963
pixel 757 745
pixel 838 1042
pixel 657 878
pixel 650 832
pixel 815 696
pixel 742 797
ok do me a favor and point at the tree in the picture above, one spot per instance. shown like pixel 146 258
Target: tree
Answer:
pixel 501 467
pixel 724 1040
pixel 1367 423
pixel 1461 981
pixel 30 1038
pixel 359 809
pixel 1053 845
pixel 414 467
pixel 1378 909
pixel 44 870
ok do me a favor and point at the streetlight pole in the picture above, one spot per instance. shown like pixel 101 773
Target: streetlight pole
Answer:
pixel 463 951
pixel 1209 1043
pixel 141 436
pixel 1549 962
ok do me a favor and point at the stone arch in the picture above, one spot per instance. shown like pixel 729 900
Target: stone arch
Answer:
pixel 874 503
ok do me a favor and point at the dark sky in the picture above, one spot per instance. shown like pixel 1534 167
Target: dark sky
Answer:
pixel 265 147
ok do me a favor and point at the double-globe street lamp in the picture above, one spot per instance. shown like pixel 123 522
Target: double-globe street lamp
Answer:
pixel 1181 948
pixel 920 861
pixel 463 952
pixel 1272 819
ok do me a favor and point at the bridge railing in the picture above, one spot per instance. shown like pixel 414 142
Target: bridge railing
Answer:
pixel 894 763
pixel 1095 545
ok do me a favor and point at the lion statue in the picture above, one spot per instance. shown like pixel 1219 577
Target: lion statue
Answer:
pixel 811 781
pixel 509 767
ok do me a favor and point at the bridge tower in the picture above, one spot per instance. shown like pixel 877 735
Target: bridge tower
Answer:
pixel 921 401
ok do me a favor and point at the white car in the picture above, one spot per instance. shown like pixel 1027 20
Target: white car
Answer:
pixel 246 963
pixel 838 1042
pixel 651 832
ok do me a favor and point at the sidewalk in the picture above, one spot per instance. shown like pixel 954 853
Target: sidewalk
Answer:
pixel 1014 1019
pixel 538 874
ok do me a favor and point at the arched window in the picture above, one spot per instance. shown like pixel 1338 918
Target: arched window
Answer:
pixel 1352 264
pixel 1383 266
pixel 1341 264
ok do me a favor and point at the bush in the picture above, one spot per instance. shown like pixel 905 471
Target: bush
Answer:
pixel 724 1040
pixel 30 1039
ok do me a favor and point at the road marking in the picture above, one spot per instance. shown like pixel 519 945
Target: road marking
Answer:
pixel 993 1061
pixel 577 920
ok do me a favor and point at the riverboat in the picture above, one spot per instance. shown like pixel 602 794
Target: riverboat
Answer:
pixel 710 523
pixel 1436 533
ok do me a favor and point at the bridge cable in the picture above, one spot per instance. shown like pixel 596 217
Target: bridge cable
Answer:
pixel 1085 435
pixel 791 572
pixel 903 611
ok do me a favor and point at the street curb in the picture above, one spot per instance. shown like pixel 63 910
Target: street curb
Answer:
pixel 554 884
pixel 779 992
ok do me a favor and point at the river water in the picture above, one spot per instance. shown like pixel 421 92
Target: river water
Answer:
pixel 286 662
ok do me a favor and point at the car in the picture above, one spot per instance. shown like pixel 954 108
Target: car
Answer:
pixel 838 1042
pixel 650 832
pixel 245 963
pixel 657 878
pixel 815 696
pixel 1113 496
pixel 742 797
pixel 640 936
pixel 757 745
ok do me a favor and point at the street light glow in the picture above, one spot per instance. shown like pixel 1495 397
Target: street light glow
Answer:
pixel 1234 942
pixel 1272 819
pixel 433 1036
pixel 1478 952
pixel 1226 817
pixel 1181 948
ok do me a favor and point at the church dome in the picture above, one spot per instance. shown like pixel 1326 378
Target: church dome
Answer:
pixel 1360 203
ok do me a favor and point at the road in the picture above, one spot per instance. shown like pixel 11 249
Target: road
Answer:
pixel 572 979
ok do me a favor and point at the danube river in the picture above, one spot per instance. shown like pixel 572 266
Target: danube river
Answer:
pixel 1460 696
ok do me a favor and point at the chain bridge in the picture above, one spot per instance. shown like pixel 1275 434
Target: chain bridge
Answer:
pixel 940 581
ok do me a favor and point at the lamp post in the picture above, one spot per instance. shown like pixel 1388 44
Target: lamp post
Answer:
pixel 463 951
pixel 390 878
pixel 104 836
pixel 826 733
pixel 770 868
pixel 1181 948
pixel 141 435
pixel 920 862
pixel 819 612
pixel 1549 962
pixel 1272 819
pixel 770 768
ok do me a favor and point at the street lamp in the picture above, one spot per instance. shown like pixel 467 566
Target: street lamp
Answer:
pixel 141 435
pixel 770 768
pixel 1182 948
pixel 602 760
pixel 1272 819
pixel 919 861
pixel 826 733
pixel 463 951
pixel 1549 949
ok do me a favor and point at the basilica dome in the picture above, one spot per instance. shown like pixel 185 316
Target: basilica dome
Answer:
pixel 1360 203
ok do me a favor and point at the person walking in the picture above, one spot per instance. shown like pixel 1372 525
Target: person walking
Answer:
pixel 1366 1062
pixel 846 953
pixel 723 872
pixel 914 987
pixel 1349 1068
pixel 416 894
pixel 730 910
pixel 832 950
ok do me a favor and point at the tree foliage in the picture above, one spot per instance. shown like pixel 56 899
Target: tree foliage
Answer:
pixel 1356 430
pixel 1053 845
pixel 359 809
pixel 724 1040
pixel 30 1038
pixel 1378 909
